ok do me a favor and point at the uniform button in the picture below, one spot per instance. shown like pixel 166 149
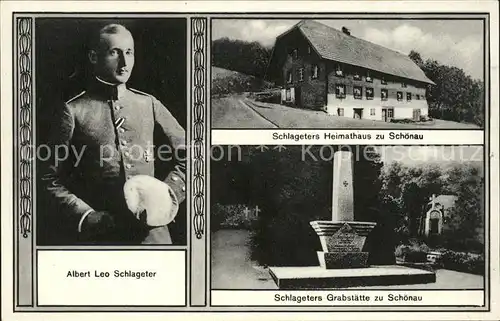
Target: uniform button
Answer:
pixel 121 130
pixel 175 178
pixel 129 177
pixel 128 166
pixel 118 107
pixel 124 142
pixel 183 188
pixel 127 154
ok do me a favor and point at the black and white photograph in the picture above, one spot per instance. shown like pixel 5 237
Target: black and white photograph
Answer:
pixel 300 160
pixel 319 217
pixel 111 119
pixel 348 73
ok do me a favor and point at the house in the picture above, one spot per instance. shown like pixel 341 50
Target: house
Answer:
pixel 322 68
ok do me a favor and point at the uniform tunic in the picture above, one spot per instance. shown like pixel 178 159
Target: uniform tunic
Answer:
pixel 101 138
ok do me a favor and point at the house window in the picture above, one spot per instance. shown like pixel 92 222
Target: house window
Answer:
pixel 408 96
pixel 295 53
pixel 309 50
pixel 340 111
pixel 288 94
pixel 403 85
pixel 368 77
pixel 399 95
pixel 289 77
pixel 340 91
pixel 383 81
pixel 358 92
pixel 384 94
pixel 369 93
pixel 339 71
pixel 315 72
pixel 372 111
pixel 301 74
pixel 357 76
pixel 417 97
pixel 390 113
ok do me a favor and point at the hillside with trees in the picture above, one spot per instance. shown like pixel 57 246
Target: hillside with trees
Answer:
pixel 250 58
pixel 225 82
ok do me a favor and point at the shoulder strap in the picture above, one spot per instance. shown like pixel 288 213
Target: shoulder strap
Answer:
pixel 74 98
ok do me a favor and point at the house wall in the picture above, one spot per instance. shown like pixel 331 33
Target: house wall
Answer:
pixel 309 93
pixel 402 109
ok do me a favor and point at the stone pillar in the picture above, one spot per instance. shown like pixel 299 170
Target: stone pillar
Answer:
pixel 343 192
pixel 342 238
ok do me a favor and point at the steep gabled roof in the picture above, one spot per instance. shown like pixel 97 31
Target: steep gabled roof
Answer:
pixel 333 44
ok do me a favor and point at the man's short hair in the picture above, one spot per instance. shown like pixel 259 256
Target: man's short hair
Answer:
pixel 109 29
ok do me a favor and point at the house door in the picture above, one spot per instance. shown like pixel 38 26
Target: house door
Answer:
pixel 434 226
pixel 416 114
pixel 387 114
pixel 358 113
pixel 298 97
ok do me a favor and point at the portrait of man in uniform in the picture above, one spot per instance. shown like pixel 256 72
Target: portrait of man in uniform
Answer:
pixel 101 183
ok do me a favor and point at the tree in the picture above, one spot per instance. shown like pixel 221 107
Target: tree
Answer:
pixel 407 190
pixel 465 228
pixel 415 56
pixel 250 58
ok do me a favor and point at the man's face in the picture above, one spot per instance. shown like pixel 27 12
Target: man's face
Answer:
pixel 114 59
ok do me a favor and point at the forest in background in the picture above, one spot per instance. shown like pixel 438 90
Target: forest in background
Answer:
pixel 456 96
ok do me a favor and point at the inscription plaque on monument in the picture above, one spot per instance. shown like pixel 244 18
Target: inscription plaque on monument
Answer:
pixel 346 240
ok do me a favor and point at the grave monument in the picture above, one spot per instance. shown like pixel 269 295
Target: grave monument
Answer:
pixel 342 238
pixel 342 262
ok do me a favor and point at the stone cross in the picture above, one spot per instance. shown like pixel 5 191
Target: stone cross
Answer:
pixel 343 192
pixel 257 210
pixel 246 212
pixel 433 200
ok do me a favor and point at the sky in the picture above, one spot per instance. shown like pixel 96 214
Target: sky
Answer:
pixel 457 43
pixel 412 155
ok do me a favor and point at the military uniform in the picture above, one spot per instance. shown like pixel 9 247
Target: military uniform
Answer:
pixel 112 128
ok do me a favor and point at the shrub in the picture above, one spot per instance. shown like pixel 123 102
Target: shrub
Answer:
pixel 230 216
pixel 425 118
pixel 402 121
pixel 416 257
pixel 218 215
pixel 415 251
pixel 413 245
pixel 273 97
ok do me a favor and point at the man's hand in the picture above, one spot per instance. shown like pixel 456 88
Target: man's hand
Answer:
pixel 97 225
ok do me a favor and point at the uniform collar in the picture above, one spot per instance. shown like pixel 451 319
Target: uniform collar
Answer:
pixel 107 90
